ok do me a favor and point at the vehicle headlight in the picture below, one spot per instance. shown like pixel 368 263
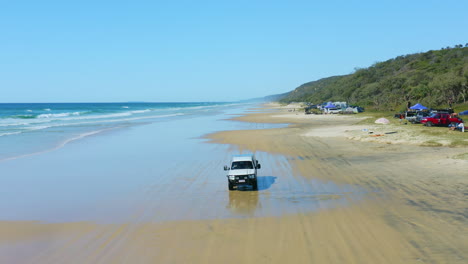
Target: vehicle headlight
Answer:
pixel 231 177
pixel 251 176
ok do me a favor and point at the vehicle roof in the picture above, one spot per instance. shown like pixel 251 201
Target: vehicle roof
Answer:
pixel 244 157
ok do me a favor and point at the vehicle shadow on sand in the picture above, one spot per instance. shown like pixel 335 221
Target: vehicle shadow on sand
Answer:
pixel 264 183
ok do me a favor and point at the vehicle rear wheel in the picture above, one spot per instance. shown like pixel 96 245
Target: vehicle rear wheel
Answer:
pixel 230 186
pixel 429 124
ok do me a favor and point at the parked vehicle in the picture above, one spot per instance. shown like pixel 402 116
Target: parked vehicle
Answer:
pixel 333 110
pixel 416 116
pixel 446 111
pixel 410 116
pixel 310 109
pixel 440 119
pixel 357 108
pixel 420 116
pixel 242 171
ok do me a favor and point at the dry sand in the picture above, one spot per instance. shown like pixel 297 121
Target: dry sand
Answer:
pixel 415 209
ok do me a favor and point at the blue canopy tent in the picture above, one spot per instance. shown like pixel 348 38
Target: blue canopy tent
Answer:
pixel 330 105
pixel 418 107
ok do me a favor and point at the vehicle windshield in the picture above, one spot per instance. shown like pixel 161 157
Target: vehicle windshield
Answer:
pixel 241 165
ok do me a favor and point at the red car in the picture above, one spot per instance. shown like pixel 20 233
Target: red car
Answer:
pixel 440 119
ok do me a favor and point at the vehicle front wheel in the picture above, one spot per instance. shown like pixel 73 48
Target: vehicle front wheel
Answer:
pixel 429 124
pixel 230 186
pixel 254 185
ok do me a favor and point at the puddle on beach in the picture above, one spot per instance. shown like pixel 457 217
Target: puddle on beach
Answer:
pixel 286 193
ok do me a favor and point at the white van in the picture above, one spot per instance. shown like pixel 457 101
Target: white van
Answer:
pixel 242 171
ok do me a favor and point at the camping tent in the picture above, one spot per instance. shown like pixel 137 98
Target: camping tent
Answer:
pixel 418 106
pixel 330 105
pixel 382 121
pixel 464 112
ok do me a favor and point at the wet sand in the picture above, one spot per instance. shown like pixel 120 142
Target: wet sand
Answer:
pixel 322 199
pixel 416 210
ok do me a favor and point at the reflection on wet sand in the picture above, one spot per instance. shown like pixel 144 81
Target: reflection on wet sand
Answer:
pixel 244 201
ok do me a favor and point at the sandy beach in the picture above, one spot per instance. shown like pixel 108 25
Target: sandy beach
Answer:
pixel 325 195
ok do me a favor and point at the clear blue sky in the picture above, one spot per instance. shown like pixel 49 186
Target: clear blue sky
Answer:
pixel 113 51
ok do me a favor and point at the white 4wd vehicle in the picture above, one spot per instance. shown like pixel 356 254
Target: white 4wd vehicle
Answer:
pixel 243 171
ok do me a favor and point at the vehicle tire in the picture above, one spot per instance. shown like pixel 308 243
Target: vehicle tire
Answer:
pixel 230 186
pixel 429 124
pixel 254 185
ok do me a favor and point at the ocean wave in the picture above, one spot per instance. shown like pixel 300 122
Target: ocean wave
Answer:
pixel 99 116
pixel 140 111
pixel 14 122
pixel 38 124
pixel 24 129
pixel 22 117
pixel 41 116
pixel 112 115
pixel 24 120
pixel 10 133
pixel 122 119
pixel 199 107
pixel 60 115
pixel 60 145
pixel 11 122
pixel 38 127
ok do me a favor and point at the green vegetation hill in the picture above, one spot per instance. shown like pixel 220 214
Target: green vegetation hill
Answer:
pixel 433 78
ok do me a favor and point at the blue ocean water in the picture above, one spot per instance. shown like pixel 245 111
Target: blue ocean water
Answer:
pixel 27 128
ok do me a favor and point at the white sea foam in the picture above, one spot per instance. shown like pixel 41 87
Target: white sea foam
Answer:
pixel 98 116
pixel 123 119
pixel 22 122
pixel 140 111
pixel 124 106
pixel 38 124
pixel 47 109
pixel 10 133
pixel 60 115
pixel 60 145
pixel 14 122
pixel 52 115
pixel 199 107
pixel 24 129
pixel 29 110
pixel 37 127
